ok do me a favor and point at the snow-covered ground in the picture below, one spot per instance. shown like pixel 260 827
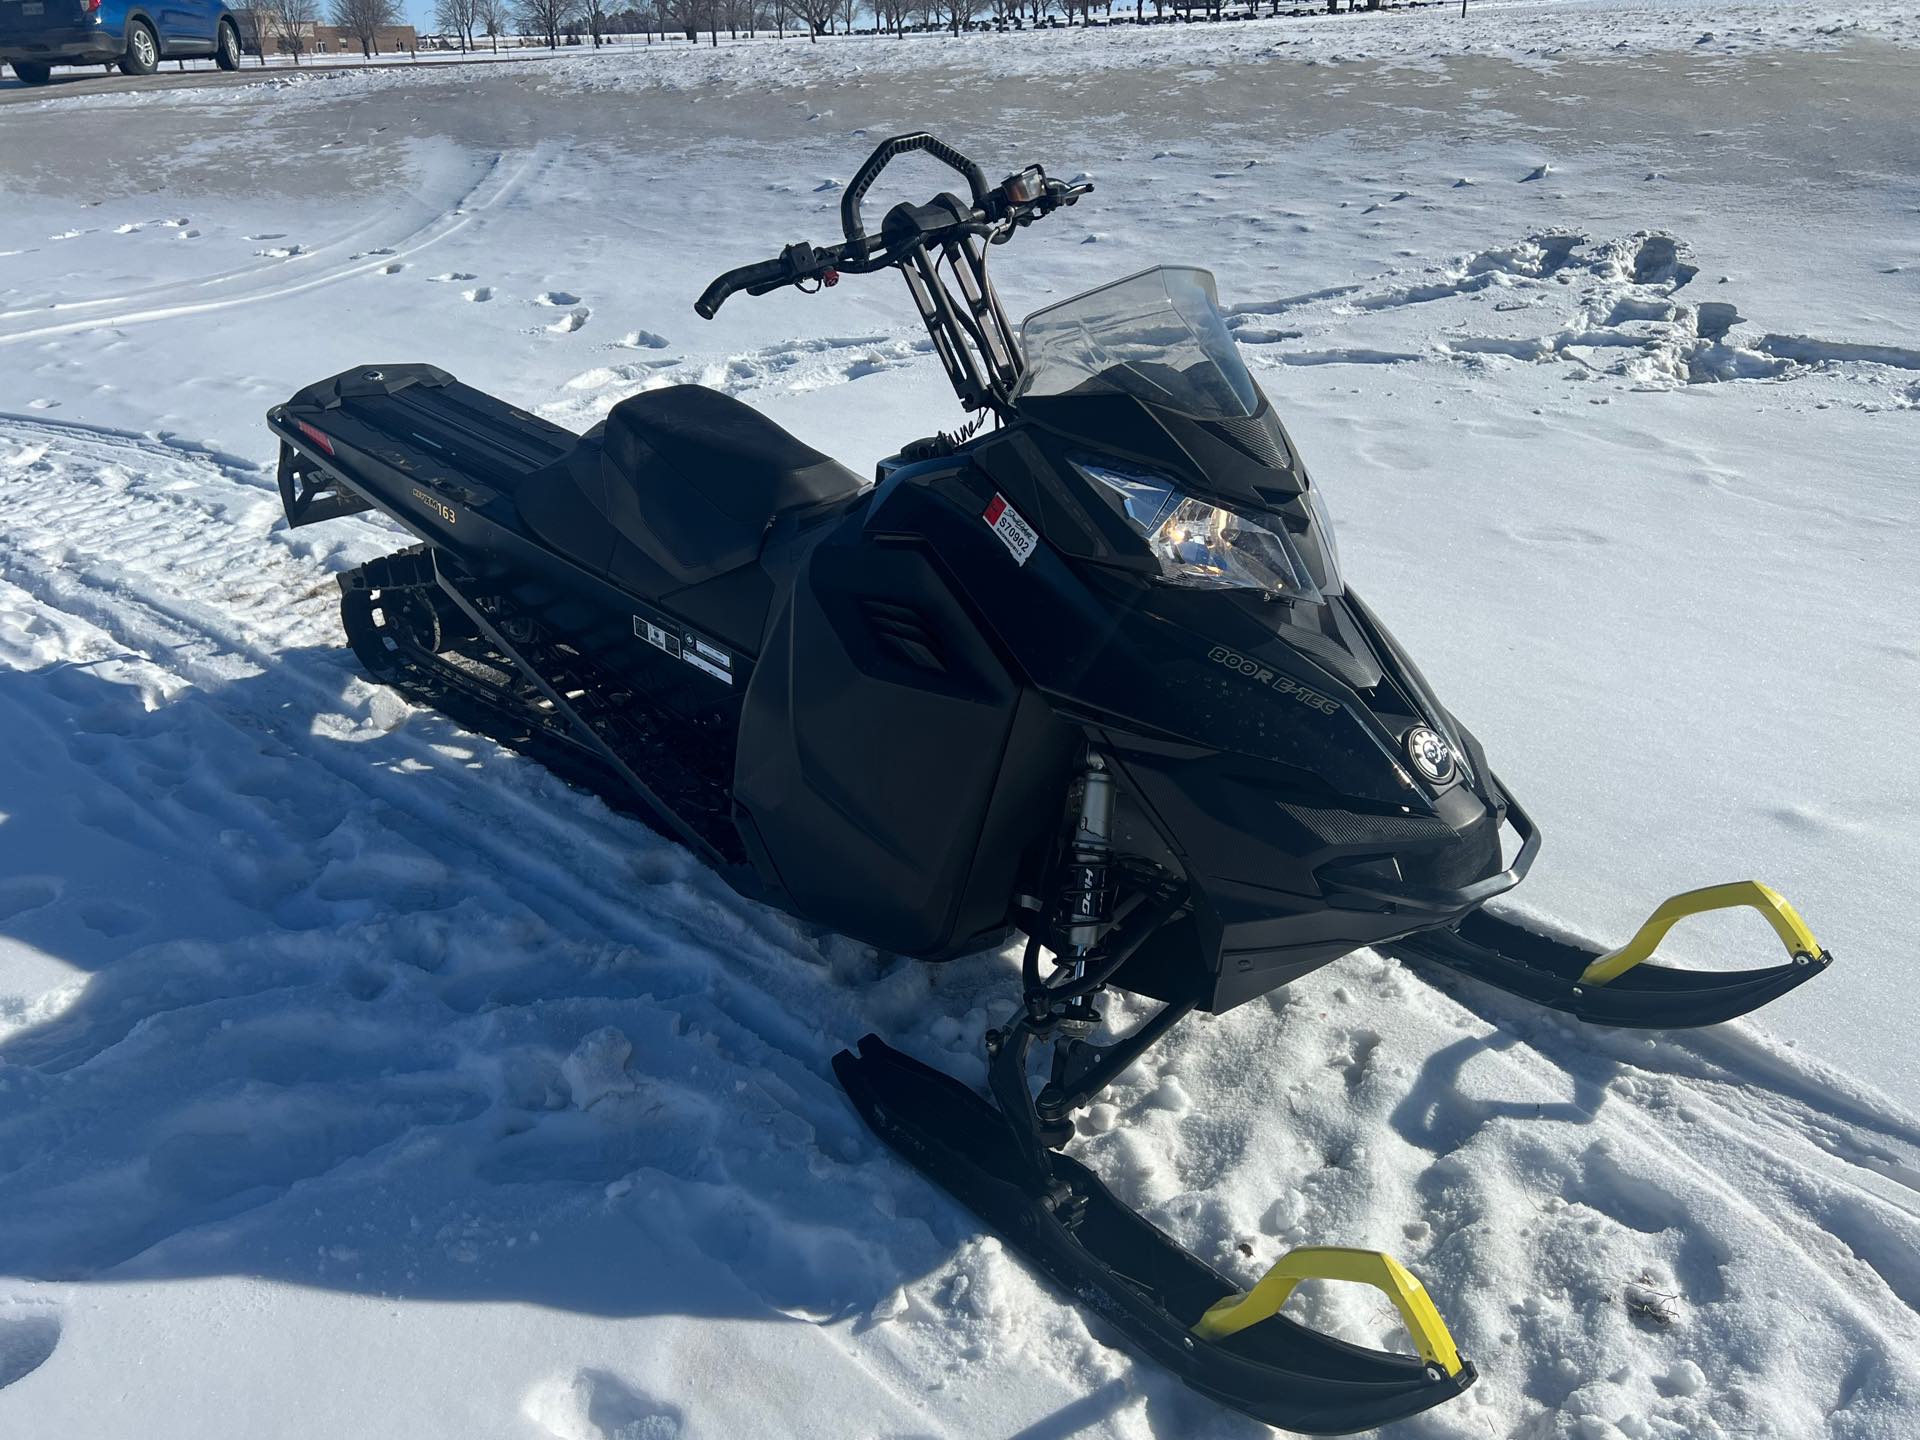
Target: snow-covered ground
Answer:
pixel 356 1077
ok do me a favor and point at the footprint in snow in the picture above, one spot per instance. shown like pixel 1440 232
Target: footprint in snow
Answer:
pixel 22 893
pixel 558 297
pixel 281 252
pixel 599 1405
pixel 570 322
pixel 28 1336
pixel 479 295
pixel 112 919
pixel 393 269
pixel 642 340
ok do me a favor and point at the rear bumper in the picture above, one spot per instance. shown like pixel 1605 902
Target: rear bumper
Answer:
pixel 69 45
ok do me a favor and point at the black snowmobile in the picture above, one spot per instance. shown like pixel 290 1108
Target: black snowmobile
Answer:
pixel 1088 674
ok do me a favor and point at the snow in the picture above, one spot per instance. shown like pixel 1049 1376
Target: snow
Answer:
pixel 357 1077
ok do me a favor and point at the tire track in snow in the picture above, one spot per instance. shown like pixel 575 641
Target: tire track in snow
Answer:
pixel 768 1020
pixel 497 184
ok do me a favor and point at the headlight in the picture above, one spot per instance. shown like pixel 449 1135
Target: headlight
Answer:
pixel 1202 545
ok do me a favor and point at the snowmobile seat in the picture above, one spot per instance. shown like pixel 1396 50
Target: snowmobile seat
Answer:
pixel 676 487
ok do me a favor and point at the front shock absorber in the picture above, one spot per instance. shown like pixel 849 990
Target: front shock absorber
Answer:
pixel 1086 898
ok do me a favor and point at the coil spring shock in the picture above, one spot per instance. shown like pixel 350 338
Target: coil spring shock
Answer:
pixel 1084 900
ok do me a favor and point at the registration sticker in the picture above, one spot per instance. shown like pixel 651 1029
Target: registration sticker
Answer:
pixel 1015 533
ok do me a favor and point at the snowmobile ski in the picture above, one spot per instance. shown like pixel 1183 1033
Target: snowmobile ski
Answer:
pixel 1059 1217
pixel 1614 987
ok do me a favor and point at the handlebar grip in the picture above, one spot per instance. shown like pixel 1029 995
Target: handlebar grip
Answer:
pixel 884 153
pixel 767 272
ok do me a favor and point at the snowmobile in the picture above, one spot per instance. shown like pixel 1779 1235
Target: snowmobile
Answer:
pixel 1088 675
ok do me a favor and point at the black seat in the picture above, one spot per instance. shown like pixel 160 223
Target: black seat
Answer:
pixel 686 476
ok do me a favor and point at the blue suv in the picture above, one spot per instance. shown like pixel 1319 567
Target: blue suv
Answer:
pixel 36 35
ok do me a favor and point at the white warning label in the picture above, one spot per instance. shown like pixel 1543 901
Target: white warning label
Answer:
pixel 1015 533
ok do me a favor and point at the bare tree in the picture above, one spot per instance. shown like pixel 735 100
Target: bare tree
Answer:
pixel 458 17
pixel 545 18
pixel 683 17
pixel 956 13
pixel 365 19
pixel 593 14
pixel 290 22
pixel 493 18
pixel 819 16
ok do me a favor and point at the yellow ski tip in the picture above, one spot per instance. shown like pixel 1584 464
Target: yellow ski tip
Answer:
pixel 1335 1262
pixel 1751 894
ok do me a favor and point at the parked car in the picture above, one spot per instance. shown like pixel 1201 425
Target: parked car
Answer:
pixel 136 35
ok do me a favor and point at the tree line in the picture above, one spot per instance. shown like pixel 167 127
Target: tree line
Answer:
pixel 573 22
pixel 580 21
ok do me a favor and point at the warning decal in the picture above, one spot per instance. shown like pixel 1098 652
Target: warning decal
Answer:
pixel 657 635
pixel 687 645
pixel 1016 534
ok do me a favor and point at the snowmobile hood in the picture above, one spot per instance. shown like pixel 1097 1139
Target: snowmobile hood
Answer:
pixel 1246 461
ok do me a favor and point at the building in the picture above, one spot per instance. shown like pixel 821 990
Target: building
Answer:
pixel 388 40
pixel 259 34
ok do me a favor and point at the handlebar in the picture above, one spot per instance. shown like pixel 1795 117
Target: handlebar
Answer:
pixel 1017 201
pixel 887 152
pixel 793 266
pixel 746 277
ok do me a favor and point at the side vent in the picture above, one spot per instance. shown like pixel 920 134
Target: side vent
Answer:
pixel 902 634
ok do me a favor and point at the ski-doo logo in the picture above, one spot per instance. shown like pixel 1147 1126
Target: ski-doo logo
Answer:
pixel 1020 538
pixel 1263 675
pixel 1432 756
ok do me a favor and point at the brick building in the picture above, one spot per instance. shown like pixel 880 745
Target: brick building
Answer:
pixel 258 32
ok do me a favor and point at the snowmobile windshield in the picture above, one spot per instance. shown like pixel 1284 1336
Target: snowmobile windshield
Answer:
pixel 1157 336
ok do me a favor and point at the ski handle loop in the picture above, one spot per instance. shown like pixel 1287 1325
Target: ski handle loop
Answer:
pixel 1786 922
pixel 888 151
pixel 1338 1262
